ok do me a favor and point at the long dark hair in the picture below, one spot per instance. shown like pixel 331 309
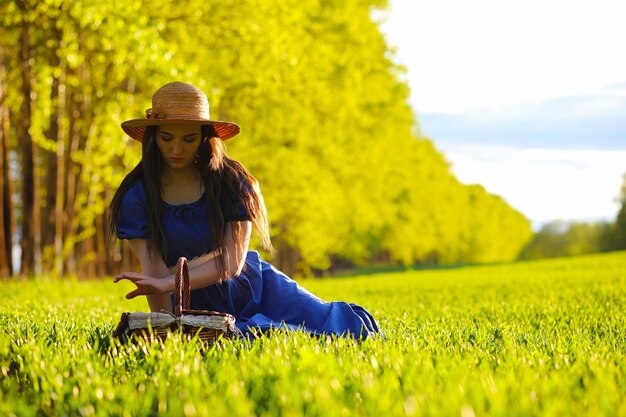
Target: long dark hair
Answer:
pixel 223 179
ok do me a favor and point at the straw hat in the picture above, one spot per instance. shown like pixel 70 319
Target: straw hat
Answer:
pixel 178 103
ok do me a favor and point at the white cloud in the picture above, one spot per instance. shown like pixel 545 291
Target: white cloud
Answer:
pixel 545 184
pixel 466 55
pixel 544 74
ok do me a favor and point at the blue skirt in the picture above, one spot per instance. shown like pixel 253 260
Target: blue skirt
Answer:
pixel 263 298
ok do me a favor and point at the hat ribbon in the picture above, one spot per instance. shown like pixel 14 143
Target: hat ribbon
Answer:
pixel 154 114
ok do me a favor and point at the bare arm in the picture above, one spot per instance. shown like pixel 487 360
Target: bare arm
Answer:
pixel 155 268
pixel 207 273
pixel 200 276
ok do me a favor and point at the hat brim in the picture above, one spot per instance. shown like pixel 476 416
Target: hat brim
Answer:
pixel 136 128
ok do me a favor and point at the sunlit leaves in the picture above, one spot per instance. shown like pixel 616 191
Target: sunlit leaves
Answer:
pixel 326 125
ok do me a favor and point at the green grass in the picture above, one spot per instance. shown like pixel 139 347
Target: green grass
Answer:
pixel 537 338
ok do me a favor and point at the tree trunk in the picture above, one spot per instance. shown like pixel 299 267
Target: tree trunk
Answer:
pixel 80 119
pixel 287 259
pixel 55 162
pixel 87 261
pixel 101 252
pixel 70 182
pixel 6 207
pixel 59 213
pixel 31 220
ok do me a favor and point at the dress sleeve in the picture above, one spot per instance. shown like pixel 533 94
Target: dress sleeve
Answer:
pixel 133 219
pixel 233 207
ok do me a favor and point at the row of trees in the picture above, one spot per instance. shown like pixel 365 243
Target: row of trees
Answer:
pixel 561 238
pixel 326 128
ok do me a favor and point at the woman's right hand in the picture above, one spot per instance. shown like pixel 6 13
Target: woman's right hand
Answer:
pixel 146 285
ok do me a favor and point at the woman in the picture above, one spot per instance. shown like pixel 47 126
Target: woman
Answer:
pixel 188 198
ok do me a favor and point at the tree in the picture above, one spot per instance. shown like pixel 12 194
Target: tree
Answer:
pixel 559 238
pixel 6 182
pixel 326 128
pixel 619 239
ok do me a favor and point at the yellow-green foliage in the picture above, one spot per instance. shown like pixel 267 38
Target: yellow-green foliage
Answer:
pixel 326 125
pixel 541 338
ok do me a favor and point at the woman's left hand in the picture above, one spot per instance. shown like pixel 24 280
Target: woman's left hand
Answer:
pixel 146 285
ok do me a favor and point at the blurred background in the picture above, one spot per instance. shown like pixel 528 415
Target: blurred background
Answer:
pixel 382 133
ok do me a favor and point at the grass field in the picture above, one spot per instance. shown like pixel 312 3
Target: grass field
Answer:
pixel 545 338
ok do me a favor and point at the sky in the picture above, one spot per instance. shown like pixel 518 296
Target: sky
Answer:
pixel 527 98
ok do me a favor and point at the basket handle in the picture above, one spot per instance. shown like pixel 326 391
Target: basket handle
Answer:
pixel 182 286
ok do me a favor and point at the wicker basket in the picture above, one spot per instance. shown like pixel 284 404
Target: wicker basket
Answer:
pixel 207 325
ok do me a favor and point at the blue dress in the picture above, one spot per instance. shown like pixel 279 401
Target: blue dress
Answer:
pixel 261 297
